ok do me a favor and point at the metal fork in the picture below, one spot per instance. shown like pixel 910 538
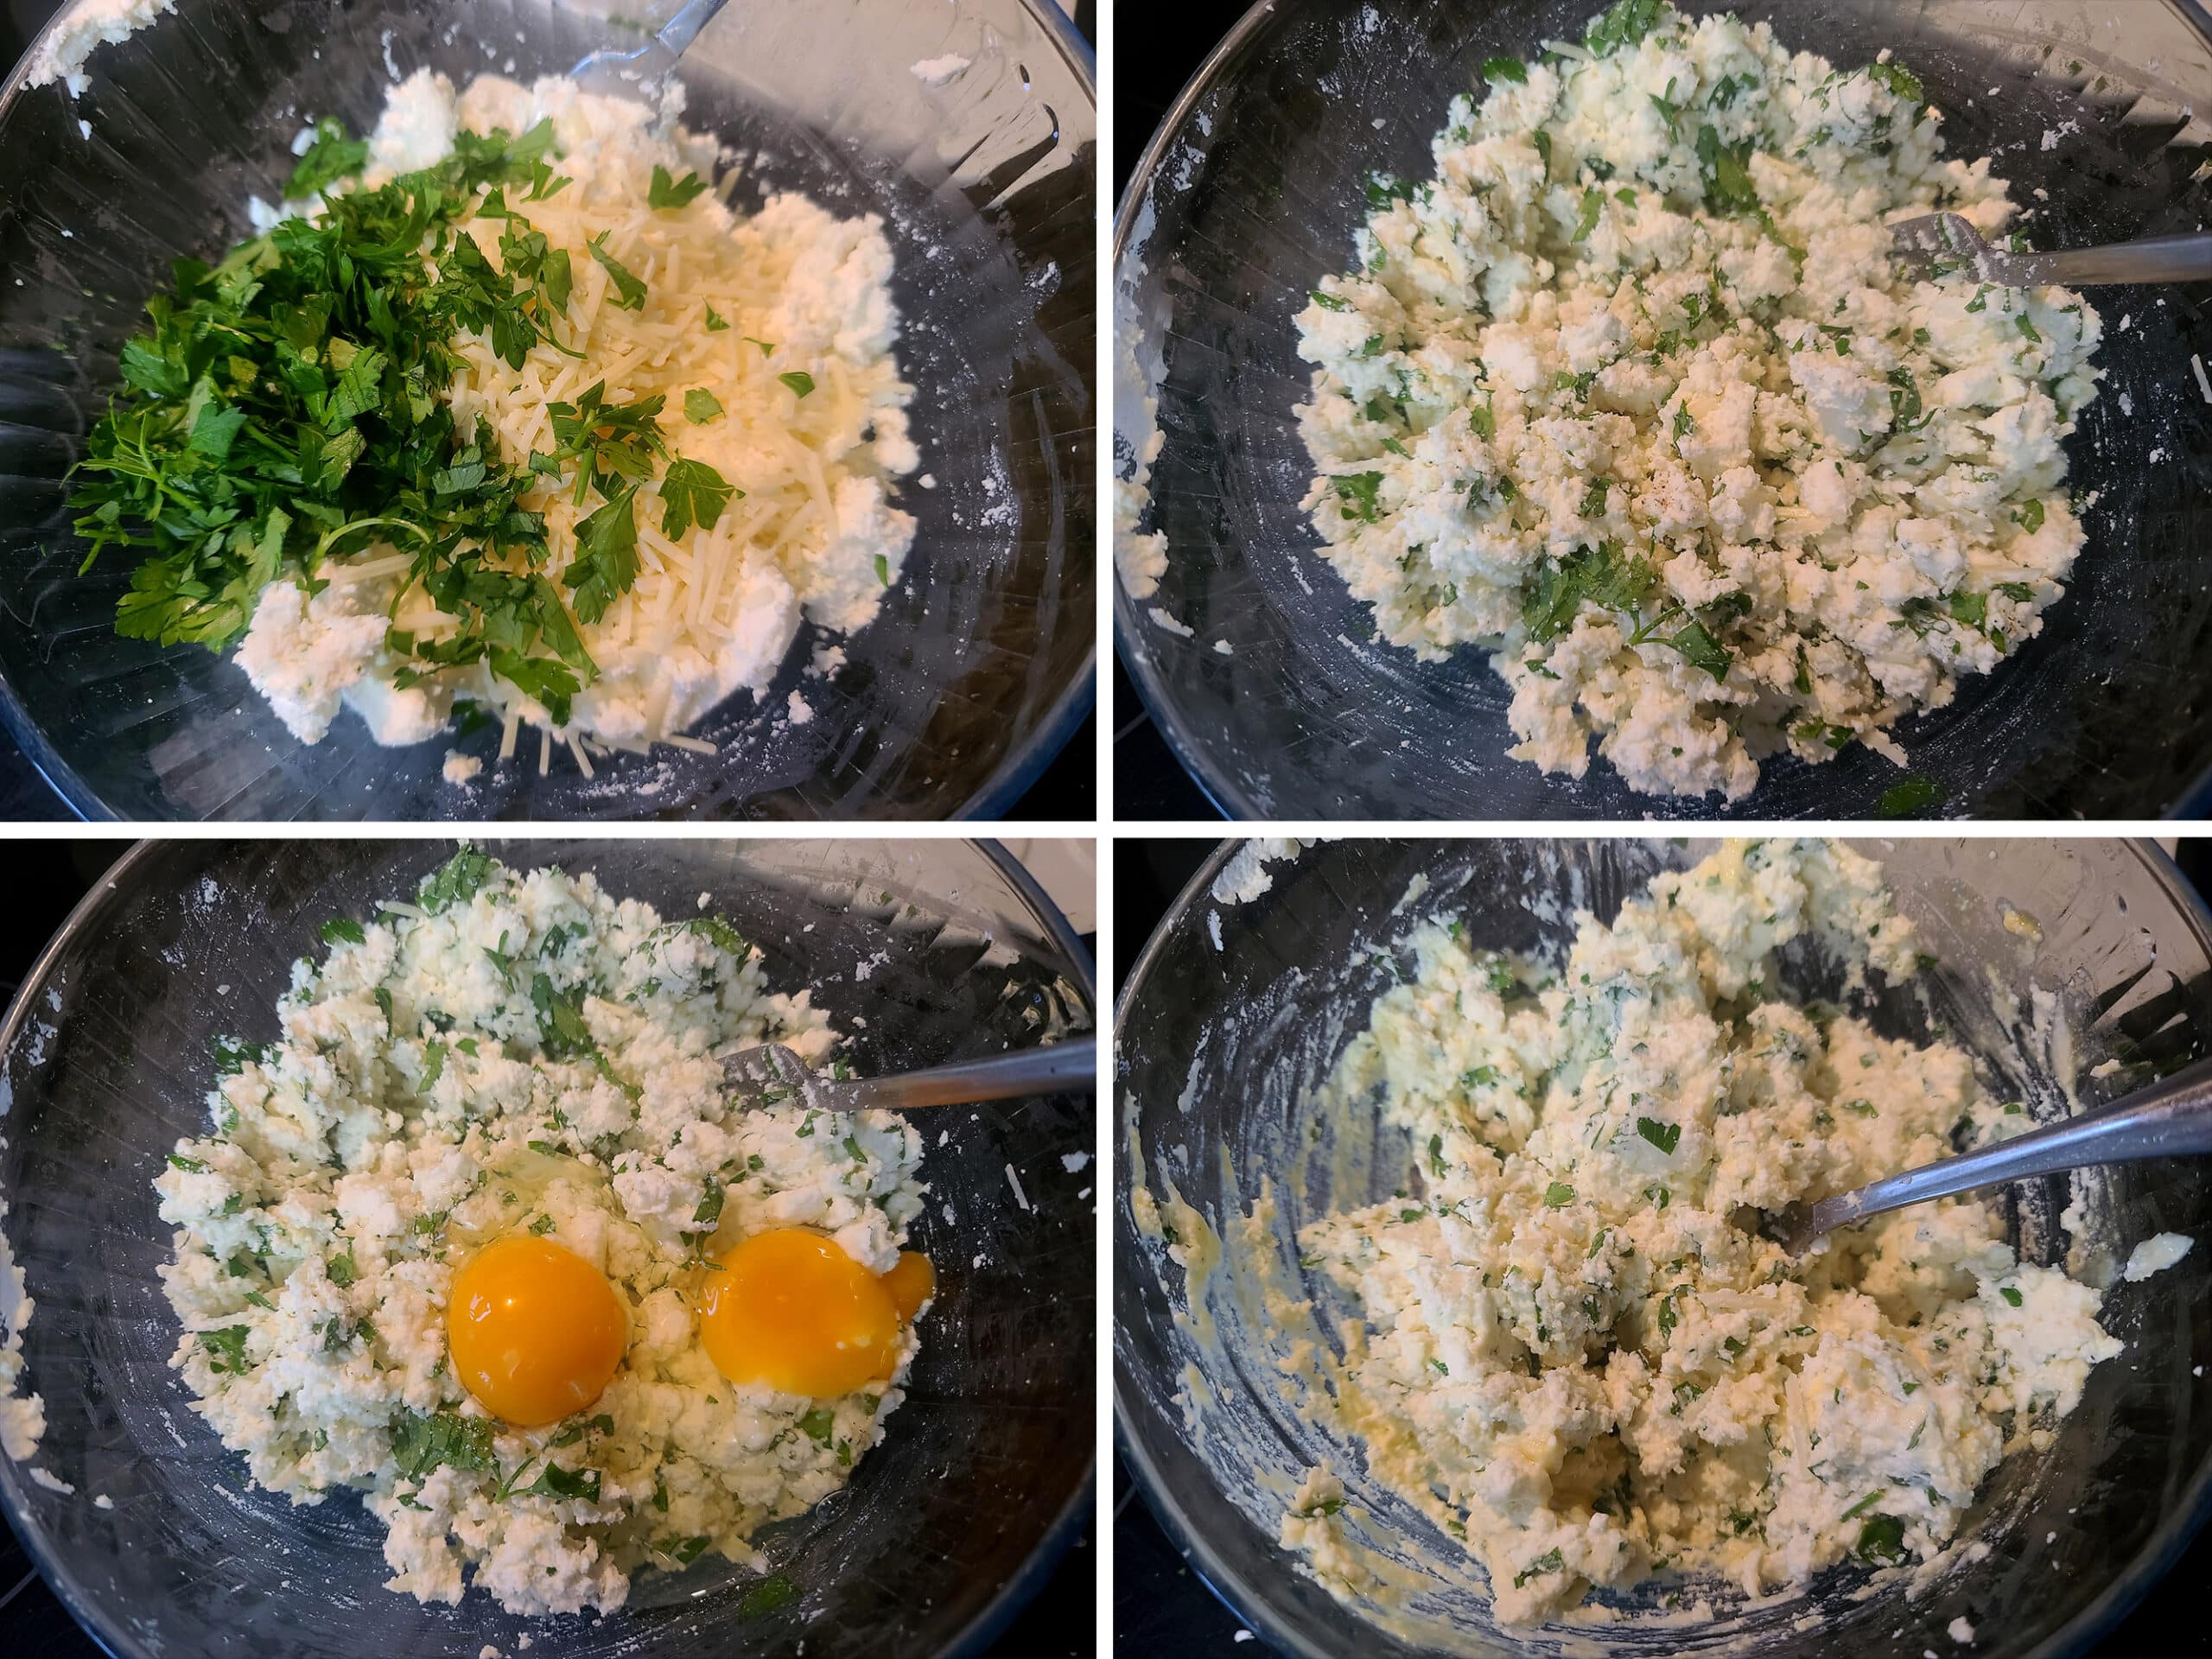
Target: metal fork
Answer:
pixel 1949 241
pixel 616 73
pixel 1051 1068
pixel 2169 1119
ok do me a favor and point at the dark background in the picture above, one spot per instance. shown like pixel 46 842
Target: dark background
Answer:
pixel 1067 788
pixel 1162 1609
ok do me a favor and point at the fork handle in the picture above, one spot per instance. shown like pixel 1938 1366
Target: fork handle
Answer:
pixel 679 31
pixel 2154 259
pixel 2172 1118
pixel 1051 1068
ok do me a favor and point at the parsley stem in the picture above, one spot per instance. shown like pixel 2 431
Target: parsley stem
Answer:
pixel 322 546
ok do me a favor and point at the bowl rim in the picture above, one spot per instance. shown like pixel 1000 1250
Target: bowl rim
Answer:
pixel 1252 1602
pixel 1016 770
pixel 2189 799
pixel 109 888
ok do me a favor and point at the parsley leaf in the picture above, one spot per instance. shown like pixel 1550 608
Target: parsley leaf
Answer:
pixel 606 565
pixel 331 157
pixel 766 1596
pixel 443 1439
pixel 1702 650
pixel 715 324
pixel 1504 68
pixel 227 1348
pixel 1913 795
pixel 1623 25
pixel 232 1055
pixel 1665 1136
pixel 345 928
pixel 666 192
pixel 1881 1540
pixel 1601 575
pixel 701 406
pixel 1355 494
pixel 710 1205
pixel 691 492
pixel 629 292
pixel 1725 171
pixel 615 442
pixel 1593 203
pixel 1899 79
pixel 798 380
pixel 562 1032
pixel 554 1481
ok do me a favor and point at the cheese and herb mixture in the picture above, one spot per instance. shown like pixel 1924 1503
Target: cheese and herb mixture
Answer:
pixel 483 1236
pixel 1577 1354
pixel 507 414
pixel 1631 395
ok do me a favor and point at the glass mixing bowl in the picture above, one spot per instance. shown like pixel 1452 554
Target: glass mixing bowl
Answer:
pixel 1250 192
pixel 980 664
pixel 1219 1048
pixel 983 1476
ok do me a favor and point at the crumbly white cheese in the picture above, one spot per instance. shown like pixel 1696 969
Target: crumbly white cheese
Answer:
pixel 1245 877
pixel 85 27
pixel 935 72
pixel 2155 1255
pixel 22 1416
pixel 410 1111
pixel 1631 395
pixel 792 291
pixel 1577 1356
pixel 1139 556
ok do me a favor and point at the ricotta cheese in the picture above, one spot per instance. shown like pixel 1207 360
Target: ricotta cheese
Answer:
pixel 2155 1255
pixel 1573 1353
pixel 22 1416
pixel 83 30
pixel 1630 394
pixel 783 320
pixel 509 1053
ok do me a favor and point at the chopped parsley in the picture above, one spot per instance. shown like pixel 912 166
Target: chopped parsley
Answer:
pixel 1903 799
pixel 692 493
pixel 665 192
pixel 444 1438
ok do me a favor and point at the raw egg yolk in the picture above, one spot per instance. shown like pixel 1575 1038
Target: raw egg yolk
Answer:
pixel 910 1282
pixel 535 1331
pixel 792 1310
